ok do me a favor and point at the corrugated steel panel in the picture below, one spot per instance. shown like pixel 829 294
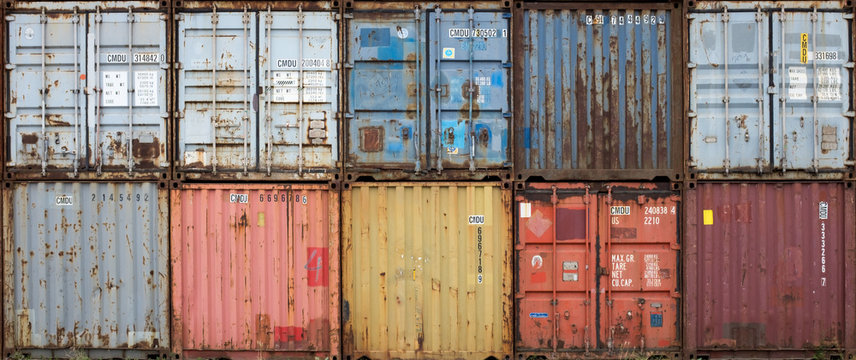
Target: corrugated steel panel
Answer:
pixel 770 268
pixel 596 92
pixel 276 89
pixel 428 88
pixel 770 122
pixel 255 269
pixel 86 267
pixel 120 126
pixel 427 270
pixel 597 270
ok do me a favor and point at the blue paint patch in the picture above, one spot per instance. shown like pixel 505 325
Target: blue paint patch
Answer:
pixel 373 37
pixel 457 130
pixel 656 320
pixel 535 315
pixel 496 78
pixel 526 138
pixel 394 146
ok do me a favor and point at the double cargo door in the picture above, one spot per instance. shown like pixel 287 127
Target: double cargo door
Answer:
pixel 428 89
pixel 263 96
pixel 87 91
pixel 770 90
pixel 597 271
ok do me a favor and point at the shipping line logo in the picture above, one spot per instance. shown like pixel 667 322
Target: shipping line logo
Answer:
pixel 619 210
pixel 64 200
pixel 239 198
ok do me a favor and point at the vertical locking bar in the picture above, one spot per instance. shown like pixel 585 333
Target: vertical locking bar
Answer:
pixel 214 20
pixel 470 127
pixel 99 91
pixel 76 21
pixel 554 200
pixel 438 14
pixel 246 118
pixel 814 98
pixel 44 20
pixel 416 139
pixel 725 99
pixel 784 97
pixel 130 89
pixel 300 87
pixel 609 301
pixel 759 19
pixel 268 91
pixel 586 278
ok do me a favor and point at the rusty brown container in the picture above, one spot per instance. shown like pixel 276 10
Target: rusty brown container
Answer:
pixel 597 91
pixel 426 270
pixel 598 270
pixel 770 270
pixel 255 271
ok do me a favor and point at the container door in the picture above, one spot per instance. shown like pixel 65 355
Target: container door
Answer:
pixel 45 108
pixel 387 90
pixel 216 83
pixel 468 69
pixel 729 105
pixel 555 262
pixel 127 117
pixel 639 249
pixel 812 130
pixel 298 129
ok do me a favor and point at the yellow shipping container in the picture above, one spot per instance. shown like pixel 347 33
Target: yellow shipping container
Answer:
pixel 426 270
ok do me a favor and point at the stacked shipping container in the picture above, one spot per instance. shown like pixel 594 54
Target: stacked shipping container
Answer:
pixel 203 216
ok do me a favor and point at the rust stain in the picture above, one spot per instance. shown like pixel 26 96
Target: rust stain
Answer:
pixel 371 139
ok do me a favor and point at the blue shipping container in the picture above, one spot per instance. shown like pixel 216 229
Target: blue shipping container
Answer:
pixel 770 88
pixel 598 93
pixel 428 89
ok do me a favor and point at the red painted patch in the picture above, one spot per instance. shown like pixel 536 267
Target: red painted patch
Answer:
pixel 288 333
pixel 539 277
pixel 316 266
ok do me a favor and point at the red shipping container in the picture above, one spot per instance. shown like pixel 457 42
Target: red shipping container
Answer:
pixel 255 270
pixel 770 270
pixel 597 271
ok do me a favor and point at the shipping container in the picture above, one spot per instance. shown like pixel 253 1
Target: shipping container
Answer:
pixel 86 90
pixel 255 271
pixel 427 89
pixel 86 269
pixel 788 67
pixel 770 270
pixel 598 270
pixel 426 270
pixel 261 102
pixel 596 89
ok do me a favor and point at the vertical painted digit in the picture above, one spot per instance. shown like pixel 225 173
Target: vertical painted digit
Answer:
pixel 316 266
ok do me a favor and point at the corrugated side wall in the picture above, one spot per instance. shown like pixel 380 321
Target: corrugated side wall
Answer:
pixel 256 269
pixel 770 267
pixel 597 93
pixel 427 271
pixel 86 266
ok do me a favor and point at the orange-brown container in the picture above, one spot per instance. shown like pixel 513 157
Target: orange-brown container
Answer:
pixel 255 270
pixel 597 270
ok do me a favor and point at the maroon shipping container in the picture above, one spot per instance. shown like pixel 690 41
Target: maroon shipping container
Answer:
pixel 770 270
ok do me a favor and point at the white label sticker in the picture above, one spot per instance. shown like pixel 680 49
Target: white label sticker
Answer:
pixel 475 220
pixel 145 88
pixel 828 84
pixel 823 55
pixel 285 87
pixel 448 53
pixel 115 88
pixel 116 58
pixel 797 81
pixel 239 198
pixel 314 78
pixel 619 210
pixel 402 33
pixel 64 200
pixel 525 210
pixel 823 210
pixel 147 58
pixel 315 63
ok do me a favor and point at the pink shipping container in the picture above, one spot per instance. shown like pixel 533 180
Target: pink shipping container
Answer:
pixel 255 270
pixel 770 270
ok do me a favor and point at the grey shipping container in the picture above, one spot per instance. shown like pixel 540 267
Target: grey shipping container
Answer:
pixel 86 90
pixel 261 101
pixel 86 267
pixel 428 89
pixel 770 90
pixel 596 91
